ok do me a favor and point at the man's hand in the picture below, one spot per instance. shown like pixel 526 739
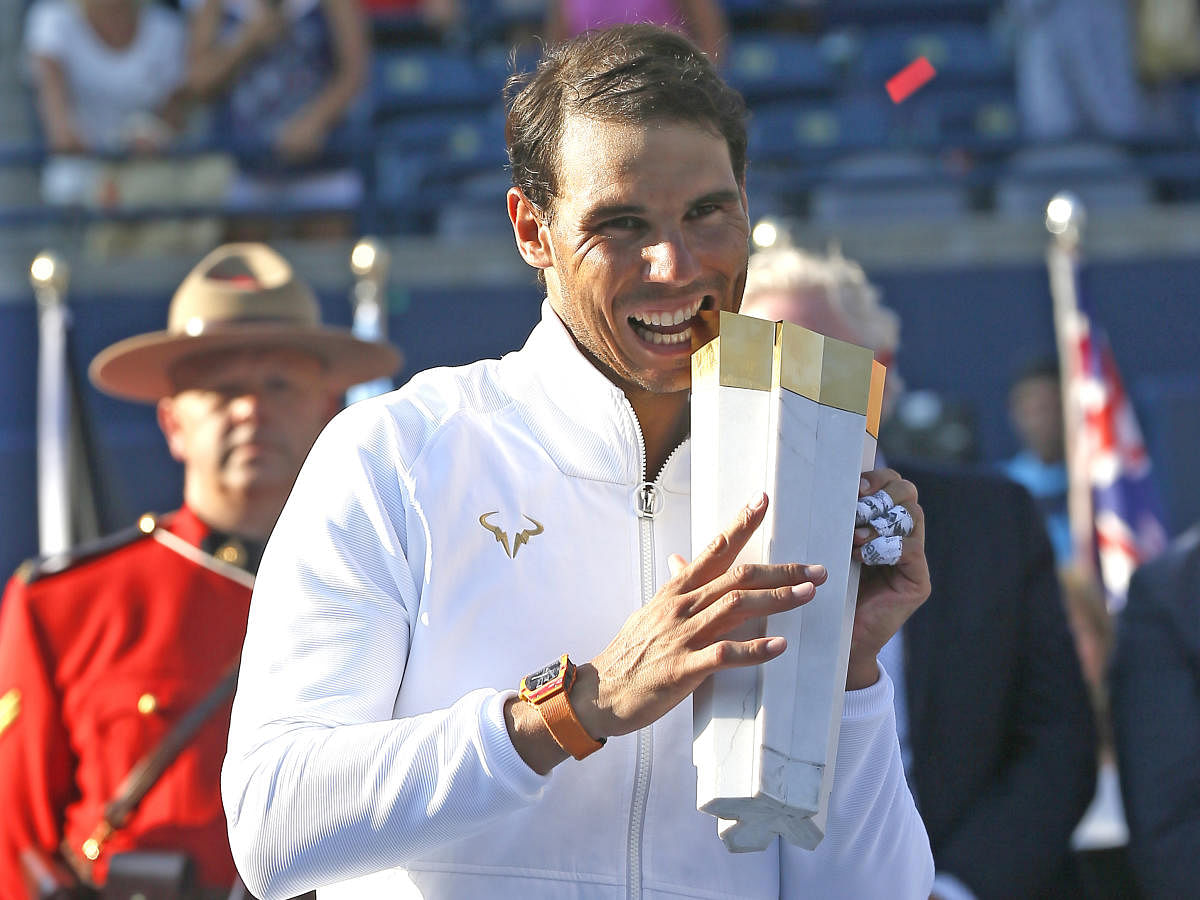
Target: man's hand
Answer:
pixel 302 137
pixel 887 594
pixel 668 647
pixel 264 28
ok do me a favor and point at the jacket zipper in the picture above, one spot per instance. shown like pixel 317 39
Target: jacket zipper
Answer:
pixel 648 502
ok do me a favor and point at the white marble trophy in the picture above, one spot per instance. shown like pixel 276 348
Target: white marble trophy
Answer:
pixel 781 409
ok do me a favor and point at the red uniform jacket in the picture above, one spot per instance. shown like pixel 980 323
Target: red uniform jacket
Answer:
pixel 99 656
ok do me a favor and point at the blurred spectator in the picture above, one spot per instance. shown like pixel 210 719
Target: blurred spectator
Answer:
pixel 1156 719
pixel 1075 72
pixel 106 649
pixel 1168 39
pixel 702 20
pixel 1035 410
pixel 107 75
pixel 994 722
pixel 286 73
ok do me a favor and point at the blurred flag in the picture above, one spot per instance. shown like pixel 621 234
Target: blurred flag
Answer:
pixel 1107 457
pixel 369 261
pixel 67 505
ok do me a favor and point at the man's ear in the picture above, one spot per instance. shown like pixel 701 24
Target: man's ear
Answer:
pixel 533 238
pixel 168 421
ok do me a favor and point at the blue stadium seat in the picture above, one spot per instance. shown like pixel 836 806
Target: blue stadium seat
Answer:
pixel 423 165
pixel 765 66
pixel 872 12
pixel 426 80
pixel 1102 175
pixel 980 118
pixel 895 185
pixel 783 131
pixel 958 52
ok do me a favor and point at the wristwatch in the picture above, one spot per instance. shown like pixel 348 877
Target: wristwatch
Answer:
pixel 548 690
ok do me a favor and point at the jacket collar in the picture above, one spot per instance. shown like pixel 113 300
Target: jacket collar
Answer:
pixel 236 551
pixel 582 419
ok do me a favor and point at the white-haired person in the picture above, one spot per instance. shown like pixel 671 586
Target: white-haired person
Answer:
pixel 995 724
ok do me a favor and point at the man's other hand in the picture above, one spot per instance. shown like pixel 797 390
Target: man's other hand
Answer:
pixel 891 592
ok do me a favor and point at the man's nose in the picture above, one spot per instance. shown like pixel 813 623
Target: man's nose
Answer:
pixel 248 406
pixel 670 261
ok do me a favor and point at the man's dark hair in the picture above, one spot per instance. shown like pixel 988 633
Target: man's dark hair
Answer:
pixel 1033 368
pixel 631 74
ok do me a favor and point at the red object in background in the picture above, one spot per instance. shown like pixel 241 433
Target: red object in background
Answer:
pixel 392 6
pixel 913 76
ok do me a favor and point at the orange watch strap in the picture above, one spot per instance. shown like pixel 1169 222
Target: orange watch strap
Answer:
pixel 565 727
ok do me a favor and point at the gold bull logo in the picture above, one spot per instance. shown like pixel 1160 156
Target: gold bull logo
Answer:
pixel 521 537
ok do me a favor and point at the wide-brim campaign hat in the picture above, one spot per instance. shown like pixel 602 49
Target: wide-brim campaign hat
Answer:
pixel 239 296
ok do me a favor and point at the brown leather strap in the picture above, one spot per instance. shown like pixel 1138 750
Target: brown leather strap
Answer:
pixel 146 772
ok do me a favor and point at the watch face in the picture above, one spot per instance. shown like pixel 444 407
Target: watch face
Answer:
pixel 542 676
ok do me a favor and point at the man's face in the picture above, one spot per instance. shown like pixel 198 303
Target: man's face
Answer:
pixel 1036 409
pixel 648 227
pixel 243 421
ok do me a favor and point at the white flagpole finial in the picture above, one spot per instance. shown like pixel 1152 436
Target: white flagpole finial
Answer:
pixel 48 272
pixel 1065 217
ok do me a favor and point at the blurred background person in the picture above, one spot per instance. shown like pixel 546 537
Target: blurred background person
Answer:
pixel 108 76
pixel 1156 717
pixel 995 725
pixel 105 650
pixel 1035 411
pixel 702 20
pixel 284 76
pixel 1075 70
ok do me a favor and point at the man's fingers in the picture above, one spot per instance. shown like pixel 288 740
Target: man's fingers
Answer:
pixel 723 550
pixel 872 506
pixel 739 606
pixel 731 654
pixel 883 551
pixel 754 577
pixel 896 521
pixel 676 564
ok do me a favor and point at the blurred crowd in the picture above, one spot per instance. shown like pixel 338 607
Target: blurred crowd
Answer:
pixel 272 99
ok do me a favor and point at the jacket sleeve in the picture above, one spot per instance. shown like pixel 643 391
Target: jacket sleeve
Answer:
pixel 875 844
pixel 35 761
pixel 1156 719
pixel 320 783
pixel 1015 835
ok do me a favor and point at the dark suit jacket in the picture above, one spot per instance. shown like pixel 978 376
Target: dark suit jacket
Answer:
pixel 1001 728
pixel 1156 719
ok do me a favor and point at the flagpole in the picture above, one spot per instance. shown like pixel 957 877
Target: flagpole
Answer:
pixel 1065 220
pixel 49 277
pixel 369 261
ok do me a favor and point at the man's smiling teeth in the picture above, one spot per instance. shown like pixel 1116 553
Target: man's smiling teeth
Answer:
pixel 657 337
pixel 676 318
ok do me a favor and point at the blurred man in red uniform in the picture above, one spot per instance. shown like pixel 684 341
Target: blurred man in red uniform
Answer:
pixel 105 649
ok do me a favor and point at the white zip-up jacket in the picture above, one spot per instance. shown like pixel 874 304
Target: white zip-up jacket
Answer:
pixel 441 542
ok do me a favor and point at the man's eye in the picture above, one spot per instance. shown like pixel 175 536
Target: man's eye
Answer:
pixel 704 209
pixel 623 223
